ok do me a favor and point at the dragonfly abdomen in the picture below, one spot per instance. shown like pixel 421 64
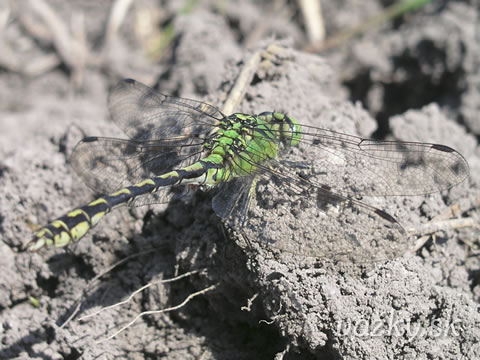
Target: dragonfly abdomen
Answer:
pixel 75 224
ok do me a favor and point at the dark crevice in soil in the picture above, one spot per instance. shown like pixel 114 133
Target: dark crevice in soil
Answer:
pixel 74 354
pixel 3 169
pixel 474 278
pixel 50 334
pixel 66 262
pixel 415 91
pixel 49 285
pixel 263 342
pixel 2 219
pixel 234 25
pixel 148 224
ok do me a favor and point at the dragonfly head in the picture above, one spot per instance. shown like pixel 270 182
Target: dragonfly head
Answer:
pixel 295 131
pixel 290 129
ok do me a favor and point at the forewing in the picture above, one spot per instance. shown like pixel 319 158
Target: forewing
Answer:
pixel 165 133
pixel 353 166
pixel 145 114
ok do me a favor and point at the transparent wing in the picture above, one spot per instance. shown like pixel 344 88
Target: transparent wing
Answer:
pixel 107 164
pixel 164 195
pixel 305 201
pixel 232 194
pixel 291 214
pixel 145 114
pixel 165 133
pixel 351 165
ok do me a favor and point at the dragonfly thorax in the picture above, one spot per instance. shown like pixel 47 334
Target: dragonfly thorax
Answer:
pixel 239 129
pixel 245 142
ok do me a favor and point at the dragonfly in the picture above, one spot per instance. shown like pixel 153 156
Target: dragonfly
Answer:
pixel 176 145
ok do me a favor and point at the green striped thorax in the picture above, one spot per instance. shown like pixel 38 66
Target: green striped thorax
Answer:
pixel 243 141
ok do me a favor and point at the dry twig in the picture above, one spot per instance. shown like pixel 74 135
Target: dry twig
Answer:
pixel 243 81
pixel 314 24
pixel 96 278
pixel 72 49
pixel 118 13
pixel 161 311
pixel 440 222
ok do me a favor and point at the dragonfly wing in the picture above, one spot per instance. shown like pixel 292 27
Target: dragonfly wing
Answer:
pixel 302 218
pixel 163 195
pixel 354 166
pixel 108 164
pixel 306 200
pixel 293 214
pixel 233 196
pixel 166 133
pixel 145 114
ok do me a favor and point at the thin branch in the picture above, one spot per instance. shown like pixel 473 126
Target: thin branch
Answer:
pixel 154 312
pixel 35 28
pixel 72 50
pixel 132 295
pixel 314 24
pixel 450 224
pixel 243 81
pixel 249 303
pixel 61 38
pixel 92 282
pixel 425 230
pixel 117 16
pixel 79 35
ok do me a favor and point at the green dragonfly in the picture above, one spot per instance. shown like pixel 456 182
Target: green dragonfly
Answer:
pixel 175 143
